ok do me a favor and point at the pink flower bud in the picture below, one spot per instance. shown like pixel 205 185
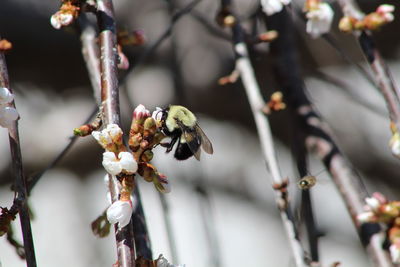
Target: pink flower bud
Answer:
pixel 140 112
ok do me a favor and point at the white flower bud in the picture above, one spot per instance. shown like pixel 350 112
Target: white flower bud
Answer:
pixel 124 163
pixel 120 212
pixel 385 8
pixel 271 7
pixel 365 217
pixel 111 163
pixel 373 203
pixel 60 19
pixel 5 96
pixel 319 20
pixel 157 114
pixel 128 163
pixel 7 116
pixel 395 253
pixel 111 134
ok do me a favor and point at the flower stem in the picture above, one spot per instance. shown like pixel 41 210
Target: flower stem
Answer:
pixel 19 183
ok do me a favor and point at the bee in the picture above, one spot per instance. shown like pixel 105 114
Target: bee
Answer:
pixel 307 182
pixel 180 124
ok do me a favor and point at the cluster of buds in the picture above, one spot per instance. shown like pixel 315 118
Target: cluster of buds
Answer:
pixel 122 163
pixel 380 210
pixel 5 45
pixel 319 17
pixel 275 103
pixel 394 142
pixel 373 21
pixel 271 7
pixel 144 135
pixel 67 13
pixel 8 114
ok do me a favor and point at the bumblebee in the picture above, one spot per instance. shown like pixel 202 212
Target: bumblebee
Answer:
pixel 307 182
pixel 180 124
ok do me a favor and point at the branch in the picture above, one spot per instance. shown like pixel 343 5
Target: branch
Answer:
pixel 90 52
pixel 319 140
pixel 19 183
pixel 257 103
pixel 111 111
pixel 382 74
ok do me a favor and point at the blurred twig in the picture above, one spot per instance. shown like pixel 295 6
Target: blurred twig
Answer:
pixel 21 198
pixel 381 72
pixel 32 181
pixel 257 103
pixel 111 111
pixel 318 137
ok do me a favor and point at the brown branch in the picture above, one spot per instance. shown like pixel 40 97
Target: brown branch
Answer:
pixel 318 137
pixel 257 103
pixel 19 183
pixel 110 105
pixel 382 74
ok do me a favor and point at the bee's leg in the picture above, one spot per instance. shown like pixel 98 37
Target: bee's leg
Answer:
pixel 172 143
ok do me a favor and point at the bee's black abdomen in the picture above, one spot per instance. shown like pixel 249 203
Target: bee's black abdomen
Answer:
pixel 183 151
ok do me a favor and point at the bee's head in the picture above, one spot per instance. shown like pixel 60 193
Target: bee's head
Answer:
pixel 164 115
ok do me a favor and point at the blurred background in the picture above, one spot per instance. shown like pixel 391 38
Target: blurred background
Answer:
pixel 222 209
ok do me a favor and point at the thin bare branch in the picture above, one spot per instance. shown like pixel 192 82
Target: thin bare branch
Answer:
pixel 110 105
pixel 257 103
pixel 19 183
pixel 318 139
pixel 382 74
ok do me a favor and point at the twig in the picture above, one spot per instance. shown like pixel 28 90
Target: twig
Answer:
pixel 382 74
pixel 140 232
pixel 152 47
pixel 257 103
pixel 110 105
pixel 19 183
pixel 331 40
pixel 319 140
pixel 72 140
pixel 208 222
pixel 90 52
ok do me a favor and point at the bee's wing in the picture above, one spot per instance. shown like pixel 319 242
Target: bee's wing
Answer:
pixel 192 139
pixel 205 142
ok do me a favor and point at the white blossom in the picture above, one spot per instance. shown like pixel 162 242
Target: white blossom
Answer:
pixel 60 19
pixel 373 203
pixel 271 7
pixel 394 145
pixel 319 20
pixel 386 11
pixel 365 217
pixel 140 112
pixel 111 134
pixel 7 116
pixel 395 253
pixel 157 114
pixel 163 262
pixel 120 212
pixel 124 163
pixel 5 96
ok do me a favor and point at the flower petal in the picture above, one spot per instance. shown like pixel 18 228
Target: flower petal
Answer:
pixel 120 212
pixel 111 163
pixel 127 162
